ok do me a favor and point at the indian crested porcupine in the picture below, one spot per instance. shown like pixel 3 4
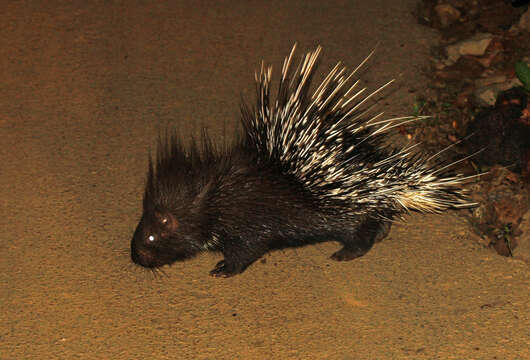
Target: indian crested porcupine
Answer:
pixel 310 166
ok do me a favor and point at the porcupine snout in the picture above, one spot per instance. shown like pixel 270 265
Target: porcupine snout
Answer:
pixel 145 245
pixel 139 253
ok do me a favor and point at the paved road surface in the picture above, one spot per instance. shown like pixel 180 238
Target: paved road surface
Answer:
pixel 85 89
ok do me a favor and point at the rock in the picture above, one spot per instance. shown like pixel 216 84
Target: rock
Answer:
pixel 475 45
pixel 522 251
pixel 502 219
pixel 487 95
pixel 524 21
pixel 447 14
pixel 523 25
pixel 480 83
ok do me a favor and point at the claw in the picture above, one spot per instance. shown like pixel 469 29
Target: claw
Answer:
pixel 347 254
pixel 221 270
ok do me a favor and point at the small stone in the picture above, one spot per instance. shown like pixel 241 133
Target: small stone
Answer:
pixel 487 96
pixel 524 21
pixel 447 14
pixel 475 45
pixel 479 83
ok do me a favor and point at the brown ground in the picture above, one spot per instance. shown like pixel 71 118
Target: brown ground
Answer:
pixel 84 92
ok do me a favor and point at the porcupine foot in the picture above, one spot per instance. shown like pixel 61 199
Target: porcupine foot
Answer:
pixel 237 258
pixel 222 270
pixel 226 268
pixel 362 241
pixel 382 231
pixel 348 253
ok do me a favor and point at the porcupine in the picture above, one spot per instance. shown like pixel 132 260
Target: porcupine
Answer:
pixel 308 167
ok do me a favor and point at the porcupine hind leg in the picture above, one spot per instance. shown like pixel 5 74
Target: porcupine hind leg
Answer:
pixel 359 242
pixel 238 256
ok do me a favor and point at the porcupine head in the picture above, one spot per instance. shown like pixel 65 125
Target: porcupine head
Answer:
pixel 324 142
pixel 173 224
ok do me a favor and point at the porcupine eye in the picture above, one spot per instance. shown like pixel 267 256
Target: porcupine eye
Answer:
pixel 167 225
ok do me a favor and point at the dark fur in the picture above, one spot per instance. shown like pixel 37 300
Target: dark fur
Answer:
pixel 221 200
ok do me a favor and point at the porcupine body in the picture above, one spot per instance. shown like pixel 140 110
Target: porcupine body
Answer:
pixel 310 166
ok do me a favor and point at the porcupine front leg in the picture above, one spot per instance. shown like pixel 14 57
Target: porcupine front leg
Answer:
pixel 357 243
pixel 238 255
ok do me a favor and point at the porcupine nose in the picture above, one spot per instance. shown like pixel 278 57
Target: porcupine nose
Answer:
pixel 134 253
pixel 138 255
pixel 142 257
